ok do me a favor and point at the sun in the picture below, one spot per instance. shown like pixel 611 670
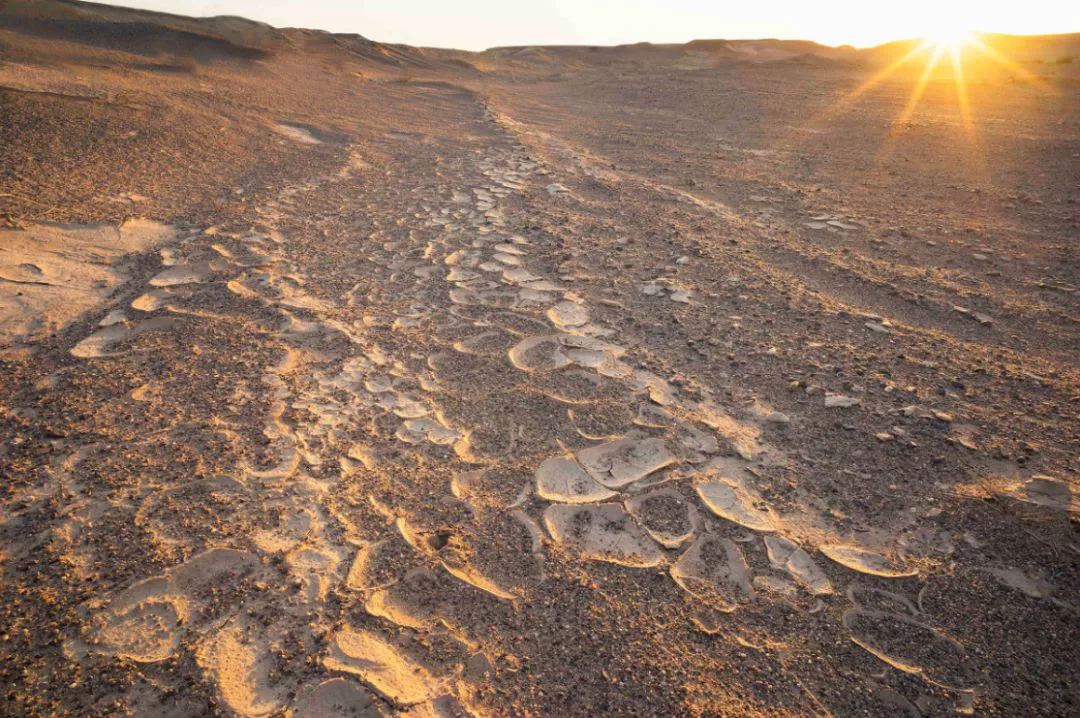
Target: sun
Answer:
pixel 949 36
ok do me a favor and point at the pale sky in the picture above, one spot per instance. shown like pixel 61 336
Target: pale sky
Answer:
pixel 479 24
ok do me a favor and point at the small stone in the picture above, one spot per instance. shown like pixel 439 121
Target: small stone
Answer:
pixel 681 296
pixel 842 225
pixel 839 401
pixel 116 316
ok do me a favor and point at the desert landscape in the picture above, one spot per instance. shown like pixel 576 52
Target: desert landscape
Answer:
pixel 341 378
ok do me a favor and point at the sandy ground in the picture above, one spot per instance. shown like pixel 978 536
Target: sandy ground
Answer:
pixel 349 379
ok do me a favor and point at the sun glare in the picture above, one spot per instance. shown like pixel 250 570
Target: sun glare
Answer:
pixel 950 37
pixel 950 53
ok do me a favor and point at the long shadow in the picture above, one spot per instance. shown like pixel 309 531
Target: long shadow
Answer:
pixel 141 38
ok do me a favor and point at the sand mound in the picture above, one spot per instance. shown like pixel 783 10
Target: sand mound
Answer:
pixel 142 32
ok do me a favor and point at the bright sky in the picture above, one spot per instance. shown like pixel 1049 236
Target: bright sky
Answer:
pixel 478 24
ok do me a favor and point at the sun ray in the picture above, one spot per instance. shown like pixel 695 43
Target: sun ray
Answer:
pixel 962 100
pixel 881 76
pixel 1008 64
pixel 980 170
pixel 794 139
pixel 959 44
pixel 912 104
pixel 920 86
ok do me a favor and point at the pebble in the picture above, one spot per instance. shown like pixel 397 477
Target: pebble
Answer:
pixel 981 318
pixel 683 297
pixel 839 401
pixel 841 225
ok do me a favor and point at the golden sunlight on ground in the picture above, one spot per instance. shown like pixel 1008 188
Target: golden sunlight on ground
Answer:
pixel 950 48
pixel 964 50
